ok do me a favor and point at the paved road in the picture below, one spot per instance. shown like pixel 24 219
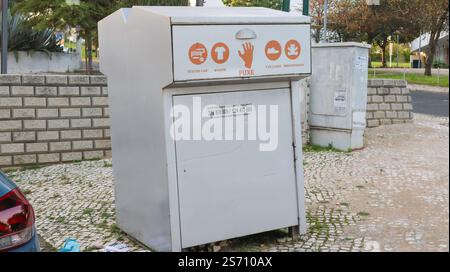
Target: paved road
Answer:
pixel 430 103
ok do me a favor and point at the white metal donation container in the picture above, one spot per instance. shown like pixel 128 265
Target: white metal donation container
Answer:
pixel 338 95
pixel 205 121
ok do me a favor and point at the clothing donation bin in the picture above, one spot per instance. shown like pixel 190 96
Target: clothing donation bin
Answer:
pixel 206 136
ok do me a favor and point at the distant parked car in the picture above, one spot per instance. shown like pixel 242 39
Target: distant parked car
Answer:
pixel 17 229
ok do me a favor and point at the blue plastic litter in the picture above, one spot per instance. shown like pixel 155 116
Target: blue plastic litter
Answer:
pixel 70 245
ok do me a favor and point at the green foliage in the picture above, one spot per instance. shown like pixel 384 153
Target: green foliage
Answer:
pixel 62 16
pixel 439 64
pixel 274 4
pixel 317 148
pixel 128 3
pixel 23 37
pixel 404 52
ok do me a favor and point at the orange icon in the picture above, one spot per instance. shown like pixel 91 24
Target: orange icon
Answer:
pixel 220 53
pixel 273 50
pixel 247 56
pixel 198 53
pixel 292 49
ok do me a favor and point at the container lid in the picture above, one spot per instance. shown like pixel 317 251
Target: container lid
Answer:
pixel 226 15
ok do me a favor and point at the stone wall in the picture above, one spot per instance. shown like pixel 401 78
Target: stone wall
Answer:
pixel 53 118
pixel 388 102
pixel 48 119
pixel 22 62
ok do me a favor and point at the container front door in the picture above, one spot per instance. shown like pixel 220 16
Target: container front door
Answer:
pixel 231 187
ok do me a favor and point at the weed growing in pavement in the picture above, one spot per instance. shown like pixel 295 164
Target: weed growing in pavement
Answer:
pixel 88 211
pixel 329 148
pixel 363 214
pixel 26 191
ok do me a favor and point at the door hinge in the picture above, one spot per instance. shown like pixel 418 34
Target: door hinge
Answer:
pixel 293 149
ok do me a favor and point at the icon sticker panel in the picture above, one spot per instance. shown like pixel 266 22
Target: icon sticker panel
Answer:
pixel 220 53
pixel 292 49
pixel 247 54
pixel 273 50
pixel 198 53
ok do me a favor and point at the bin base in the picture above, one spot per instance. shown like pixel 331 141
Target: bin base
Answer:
pixel 343 139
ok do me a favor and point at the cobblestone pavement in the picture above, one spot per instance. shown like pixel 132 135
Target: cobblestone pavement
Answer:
pixel 390 196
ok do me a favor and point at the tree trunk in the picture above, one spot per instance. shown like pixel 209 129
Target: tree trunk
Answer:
pixel 434 38
pixel 317 35
pixel 369 59
pixel 430 53
pixel 89 53
pixel 85 58
pixel 383 54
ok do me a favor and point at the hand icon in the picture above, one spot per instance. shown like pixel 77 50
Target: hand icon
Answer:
pixel 247 56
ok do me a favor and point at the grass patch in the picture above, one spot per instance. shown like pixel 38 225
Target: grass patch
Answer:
pixel 26 191
pixel 93 159
pixel 345 204
pixel 434 80
pixel 88 211
pixel 10 170
pixel 379 64
pixel 23 168
pixel 363 214
pixel 30 167
pixel 105 215
pixel 107 164
pixel 360 186
pixel 317 148
pixel 117 231
pixel 102 225
pixel 253 242
pixel 45 246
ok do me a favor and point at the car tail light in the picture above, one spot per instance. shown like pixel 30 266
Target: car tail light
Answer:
pixel 16 220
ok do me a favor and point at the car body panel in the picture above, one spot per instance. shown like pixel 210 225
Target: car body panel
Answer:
pixel 6 184
pixel 31 246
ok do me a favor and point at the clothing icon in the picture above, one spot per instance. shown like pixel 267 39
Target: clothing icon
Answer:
pixel 198 53
pixel 273 50
pixel 292 49
pixel 220 53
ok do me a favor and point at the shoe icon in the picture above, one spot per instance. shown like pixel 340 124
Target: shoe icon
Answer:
pixel 272 51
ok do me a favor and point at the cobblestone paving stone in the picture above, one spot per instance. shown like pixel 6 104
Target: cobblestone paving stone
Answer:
pixel 390 196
